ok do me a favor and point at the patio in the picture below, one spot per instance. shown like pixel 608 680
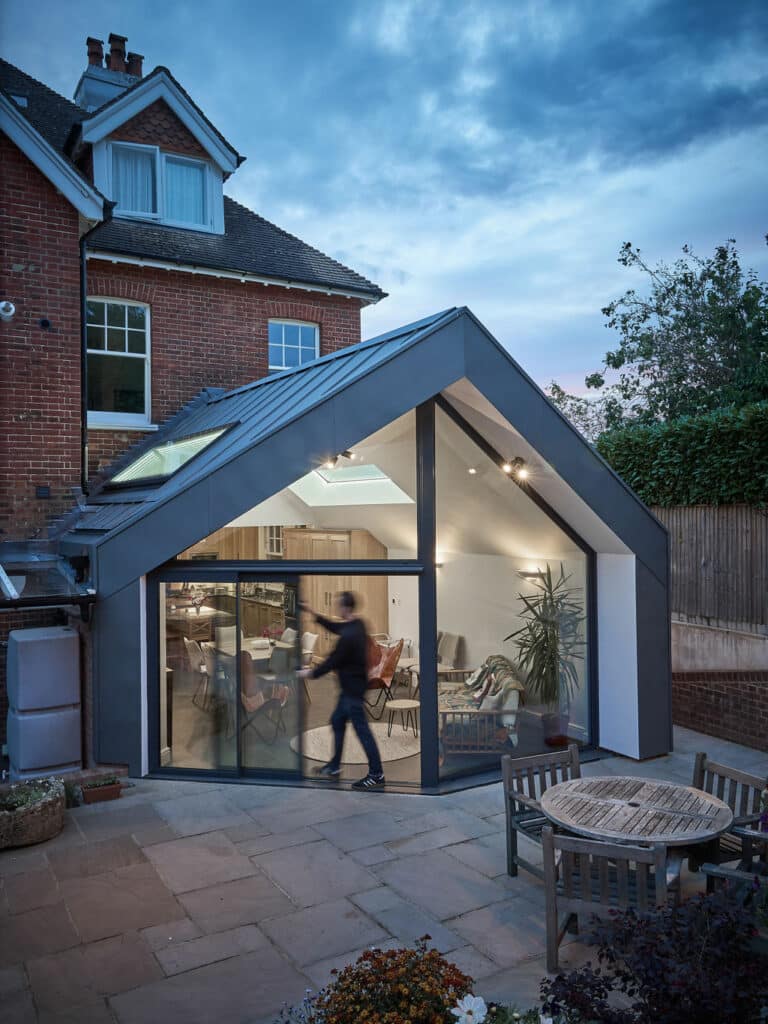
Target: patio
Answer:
pixel 192 902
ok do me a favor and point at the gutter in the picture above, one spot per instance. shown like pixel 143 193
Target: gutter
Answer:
pixel 83 368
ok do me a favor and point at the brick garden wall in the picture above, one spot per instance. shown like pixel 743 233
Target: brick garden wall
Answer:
pixel 39 369
pixel 730 705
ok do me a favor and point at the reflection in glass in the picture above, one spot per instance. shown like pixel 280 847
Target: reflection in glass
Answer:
pixel 511 615
pixel 198 678
pixel 389 607
pixel 357 504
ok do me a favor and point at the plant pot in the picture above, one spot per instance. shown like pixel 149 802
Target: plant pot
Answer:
pixel 97 794
pixel 555 726
pixel 35 822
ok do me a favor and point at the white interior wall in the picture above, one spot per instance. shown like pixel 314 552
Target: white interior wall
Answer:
pixel 404 611
pixel 617 654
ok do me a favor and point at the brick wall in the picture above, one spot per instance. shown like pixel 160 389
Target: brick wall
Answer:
pixel 730 705
pixel 208 332
pixel 39 369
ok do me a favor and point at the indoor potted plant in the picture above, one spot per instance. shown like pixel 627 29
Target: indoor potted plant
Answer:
pixel 107 787
pixel 550 643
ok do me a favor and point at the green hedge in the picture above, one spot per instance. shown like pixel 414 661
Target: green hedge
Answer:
pixel 720 458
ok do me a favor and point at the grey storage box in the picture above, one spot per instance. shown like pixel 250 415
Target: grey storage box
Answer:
pixel 44 732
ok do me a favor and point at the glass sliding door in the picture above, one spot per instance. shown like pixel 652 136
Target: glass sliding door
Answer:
pixel 198 675
pixel 271 696
pixel 388 605
pixel 512 607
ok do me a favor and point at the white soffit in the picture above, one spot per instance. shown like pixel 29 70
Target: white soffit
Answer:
pixel 509 442
pixel 153 88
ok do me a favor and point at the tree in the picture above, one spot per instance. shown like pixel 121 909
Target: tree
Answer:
pixel 697 342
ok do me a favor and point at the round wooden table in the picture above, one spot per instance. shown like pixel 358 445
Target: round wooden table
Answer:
pixel 627 809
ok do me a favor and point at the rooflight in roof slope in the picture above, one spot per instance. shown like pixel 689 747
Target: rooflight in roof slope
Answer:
pixel 165 459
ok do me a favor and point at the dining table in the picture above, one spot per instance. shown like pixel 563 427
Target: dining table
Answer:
pixel 641 811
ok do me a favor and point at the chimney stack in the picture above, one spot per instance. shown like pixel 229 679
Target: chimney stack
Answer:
pixel 116 56
pixel 95 51
pixel 135 64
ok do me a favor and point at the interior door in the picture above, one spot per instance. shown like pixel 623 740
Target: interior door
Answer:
pixel 270 695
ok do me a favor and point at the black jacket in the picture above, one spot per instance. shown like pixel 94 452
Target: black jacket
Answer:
pixel 349 658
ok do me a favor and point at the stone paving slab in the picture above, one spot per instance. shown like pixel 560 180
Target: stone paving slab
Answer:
pixel 95 858
pixel 208 949
pixel 315 934
pixel 405 922
pixel 200 812
pixel 440 884
pixel 85 1013
pixel 315 873
pixel 18 1008
pixel 486 854
pixel 269 841
pixel 124 820
pixel 170 933
pixel 35 933
pixel 231 904
pixel 507 932
pixel 199 861
pixel 88 973
pixel 29 890
pixel 372 829
pixel 124 900
pixel 369 856
pixel 236 991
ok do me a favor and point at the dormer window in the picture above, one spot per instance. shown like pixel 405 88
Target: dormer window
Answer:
pixel 148 183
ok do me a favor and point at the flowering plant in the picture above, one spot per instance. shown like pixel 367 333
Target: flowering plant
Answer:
pixel 470 1010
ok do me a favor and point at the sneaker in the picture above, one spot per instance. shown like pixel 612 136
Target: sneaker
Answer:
pixel 328 771
pixel 369 782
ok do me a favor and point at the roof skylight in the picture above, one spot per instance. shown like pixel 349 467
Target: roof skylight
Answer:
pixel 350 474
pixel 165 459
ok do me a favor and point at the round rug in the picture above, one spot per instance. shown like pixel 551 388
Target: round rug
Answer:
pixel 317 744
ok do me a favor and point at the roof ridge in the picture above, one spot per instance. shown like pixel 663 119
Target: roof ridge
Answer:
pixel 295 238
pixel 350 350
pixel 42 85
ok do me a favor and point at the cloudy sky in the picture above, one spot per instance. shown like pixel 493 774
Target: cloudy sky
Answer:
pixel 489 154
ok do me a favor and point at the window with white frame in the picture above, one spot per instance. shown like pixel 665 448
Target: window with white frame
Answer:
pixel 117 342
pixel 147 182
pixel 292 343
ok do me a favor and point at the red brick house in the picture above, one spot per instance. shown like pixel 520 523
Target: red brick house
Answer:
pixel 130 281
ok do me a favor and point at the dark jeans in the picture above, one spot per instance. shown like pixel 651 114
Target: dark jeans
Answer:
pixel 352 709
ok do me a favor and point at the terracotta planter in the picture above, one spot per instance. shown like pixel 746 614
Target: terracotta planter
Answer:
pixel 34 823
pixel 97 794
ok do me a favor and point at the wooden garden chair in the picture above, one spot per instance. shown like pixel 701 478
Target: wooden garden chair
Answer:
pixel 525 780
pixel 582 876
pixel 742 792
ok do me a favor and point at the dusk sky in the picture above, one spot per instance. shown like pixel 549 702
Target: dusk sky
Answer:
pixel 493 155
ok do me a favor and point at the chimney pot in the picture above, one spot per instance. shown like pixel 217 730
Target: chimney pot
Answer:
pixel 95 51
pixel 135 61
pixel 117 52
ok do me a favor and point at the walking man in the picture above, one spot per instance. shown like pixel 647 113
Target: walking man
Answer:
pixel 349 659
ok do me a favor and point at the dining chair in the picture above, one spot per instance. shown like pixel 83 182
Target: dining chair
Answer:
pixel 308 644
pixel 382 665
pixel 742 792
pixel 525 779
pixel 288 636
pixel 198 668
pixel 583 876
pixel 262 701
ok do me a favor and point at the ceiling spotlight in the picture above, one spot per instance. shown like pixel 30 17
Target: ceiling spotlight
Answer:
pixel 472 471
pixel 331 463
pixel 507 467
pixel 516 466
pixel 348 455
pixel 522 473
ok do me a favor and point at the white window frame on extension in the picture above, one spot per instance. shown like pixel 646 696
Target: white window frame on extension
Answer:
pixel 277 368
pixel 124 420
pixel 210 183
